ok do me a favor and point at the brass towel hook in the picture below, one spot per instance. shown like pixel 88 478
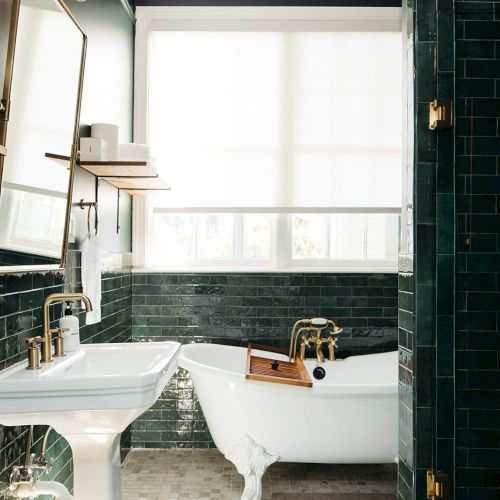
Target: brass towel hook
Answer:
pixel 90 204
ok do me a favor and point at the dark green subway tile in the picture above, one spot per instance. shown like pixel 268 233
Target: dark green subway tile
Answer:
pixel 445 162
pixel 446 41
pixel 474 87
pixel 484 49
pixel 473 477
pixel 426 21
pixel 425 139
pixel 487 262
pixel 478 438
pixel 445 407
pixel 482 30
pixel 425 192
pixel 476 204
pixel 445 213
pixel 425 248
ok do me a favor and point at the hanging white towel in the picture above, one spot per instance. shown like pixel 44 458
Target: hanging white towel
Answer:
pixel 91 276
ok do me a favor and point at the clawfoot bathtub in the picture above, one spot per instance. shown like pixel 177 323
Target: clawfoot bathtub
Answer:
pixel 350 416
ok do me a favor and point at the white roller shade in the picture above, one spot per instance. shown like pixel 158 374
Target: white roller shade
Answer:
pixel 289 120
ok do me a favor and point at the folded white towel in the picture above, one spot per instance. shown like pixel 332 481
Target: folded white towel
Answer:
pixel 134 151
pixel 91 276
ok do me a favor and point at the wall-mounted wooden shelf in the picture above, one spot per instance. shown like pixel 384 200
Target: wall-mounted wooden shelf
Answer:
pixel 108 170
pixel 133 177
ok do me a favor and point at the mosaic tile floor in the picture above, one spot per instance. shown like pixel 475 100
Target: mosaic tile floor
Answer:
pixel 206 474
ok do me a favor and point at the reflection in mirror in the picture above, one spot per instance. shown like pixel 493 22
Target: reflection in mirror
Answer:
pixel 44 95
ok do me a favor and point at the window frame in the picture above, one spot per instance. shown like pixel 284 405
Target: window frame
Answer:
pixel 150 19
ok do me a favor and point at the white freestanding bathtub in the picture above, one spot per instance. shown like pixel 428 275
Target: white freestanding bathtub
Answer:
pixel 351 416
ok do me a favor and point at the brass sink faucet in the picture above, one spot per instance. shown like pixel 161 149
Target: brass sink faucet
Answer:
pixel 316 327
pixel 46 339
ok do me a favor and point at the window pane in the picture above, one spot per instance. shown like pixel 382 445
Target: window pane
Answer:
pixel 174 237
pixel 257 237
pixel 309 236
pixel 347 236
pixel 381 237
pixel 215 236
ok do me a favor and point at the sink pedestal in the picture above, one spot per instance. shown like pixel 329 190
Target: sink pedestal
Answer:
pixel 96 466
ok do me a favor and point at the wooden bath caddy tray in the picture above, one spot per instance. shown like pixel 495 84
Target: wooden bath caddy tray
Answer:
pixel 286 372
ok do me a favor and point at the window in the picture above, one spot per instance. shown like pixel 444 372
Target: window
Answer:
pixel 280 135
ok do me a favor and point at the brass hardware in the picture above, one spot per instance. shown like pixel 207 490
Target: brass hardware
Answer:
pixel 34 352
pixel 332 345
pixel 319 353
pixel 317 326
pixel 84 204
pixel 90 205
pixel 59 341
pixel 437 485
pixel 440 114
pixel 47 332
pixel 303 344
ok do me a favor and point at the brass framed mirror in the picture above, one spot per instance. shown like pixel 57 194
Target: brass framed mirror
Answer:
pixel 41 68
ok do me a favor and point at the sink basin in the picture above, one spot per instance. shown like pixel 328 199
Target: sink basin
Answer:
pixel 99 376
pixel 90 397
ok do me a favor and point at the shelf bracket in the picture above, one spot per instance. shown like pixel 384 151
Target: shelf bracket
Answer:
pixel 118 210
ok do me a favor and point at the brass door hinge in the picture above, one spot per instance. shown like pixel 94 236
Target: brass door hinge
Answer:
pixel 440 114
pixel 438 485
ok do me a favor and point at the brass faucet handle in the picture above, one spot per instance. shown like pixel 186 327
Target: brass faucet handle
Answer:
pixel 33 352
pixel 34 341
pixel 59 341
pixel 58 331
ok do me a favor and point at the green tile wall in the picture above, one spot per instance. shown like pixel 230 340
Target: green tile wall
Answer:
pixel 21 297
pixel 477 246
pixel 235 308
pixel 427 302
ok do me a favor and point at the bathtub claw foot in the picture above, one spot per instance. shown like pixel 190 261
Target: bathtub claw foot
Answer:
pixel 251 461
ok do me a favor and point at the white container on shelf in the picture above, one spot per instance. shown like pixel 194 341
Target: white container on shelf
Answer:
pixel 93 149
pixel 109 133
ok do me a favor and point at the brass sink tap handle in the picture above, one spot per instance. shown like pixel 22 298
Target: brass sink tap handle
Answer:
pixel 332 345
pixel 304 342
pixel 59 341
pixel 33 352
pixel 293 347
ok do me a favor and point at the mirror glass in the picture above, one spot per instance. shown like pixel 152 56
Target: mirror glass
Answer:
pixel 35 190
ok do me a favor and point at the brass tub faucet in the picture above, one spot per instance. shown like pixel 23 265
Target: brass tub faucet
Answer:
pixel 311 331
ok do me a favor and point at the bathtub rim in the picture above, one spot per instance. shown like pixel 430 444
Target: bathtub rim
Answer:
pixel 317 388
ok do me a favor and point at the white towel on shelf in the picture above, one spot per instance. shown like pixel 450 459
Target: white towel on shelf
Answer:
pixel 135 151
pixel 91 276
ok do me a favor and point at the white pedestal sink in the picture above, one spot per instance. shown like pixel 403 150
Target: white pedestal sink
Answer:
pixel 90 397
